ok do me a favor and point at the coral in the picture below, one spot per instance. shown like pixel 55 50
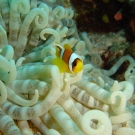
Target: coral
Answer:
pixel 33 89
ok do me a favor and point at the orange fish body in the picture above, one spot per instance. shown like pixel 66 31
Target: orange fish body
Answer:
pixel 66 60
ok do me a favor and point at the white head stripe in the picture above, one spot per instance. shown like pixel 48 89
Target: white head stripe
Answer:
pixel 71 60
pixel 60 48
pixel 61 53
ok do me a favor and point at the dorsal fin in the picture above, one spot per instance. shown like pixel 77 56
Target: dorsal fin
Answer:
pixel 66 46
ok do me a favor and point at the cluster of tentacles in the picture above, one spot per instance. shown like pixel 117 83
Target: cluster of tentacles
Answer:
pixel 32 88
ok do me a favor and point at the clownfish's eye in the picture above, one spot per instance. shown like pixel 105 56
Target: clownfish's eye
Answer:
pixel 77 65
pixel 74 63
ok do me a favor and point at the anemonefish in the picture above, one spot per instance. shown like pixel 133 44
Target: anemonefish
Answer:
pixel 66 60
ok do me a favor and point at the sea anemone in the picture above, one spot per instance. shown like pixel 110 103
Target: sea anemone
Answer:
pixel 33 89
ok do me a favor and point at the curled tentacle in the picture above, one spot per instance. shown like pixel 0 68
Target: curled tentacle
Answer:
pixel 20 5
pixel 68 23
pixel 69 13
pixel 127 88
pixel 44 7
pixel 20 61
pixel 59 12
pixel 22 39
pixel 117 65
pixel 7 52
pixel 16 6
pixel 118 102
pixel 104 126
pixel 62 31
pixel 20 101
pixel 115 87
pixel 71 42
pixel 71 31
pixel 130 73
pixel 28 87
pixel 39 55
pixel 50 31
pixel 46 50
pixel 26 113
